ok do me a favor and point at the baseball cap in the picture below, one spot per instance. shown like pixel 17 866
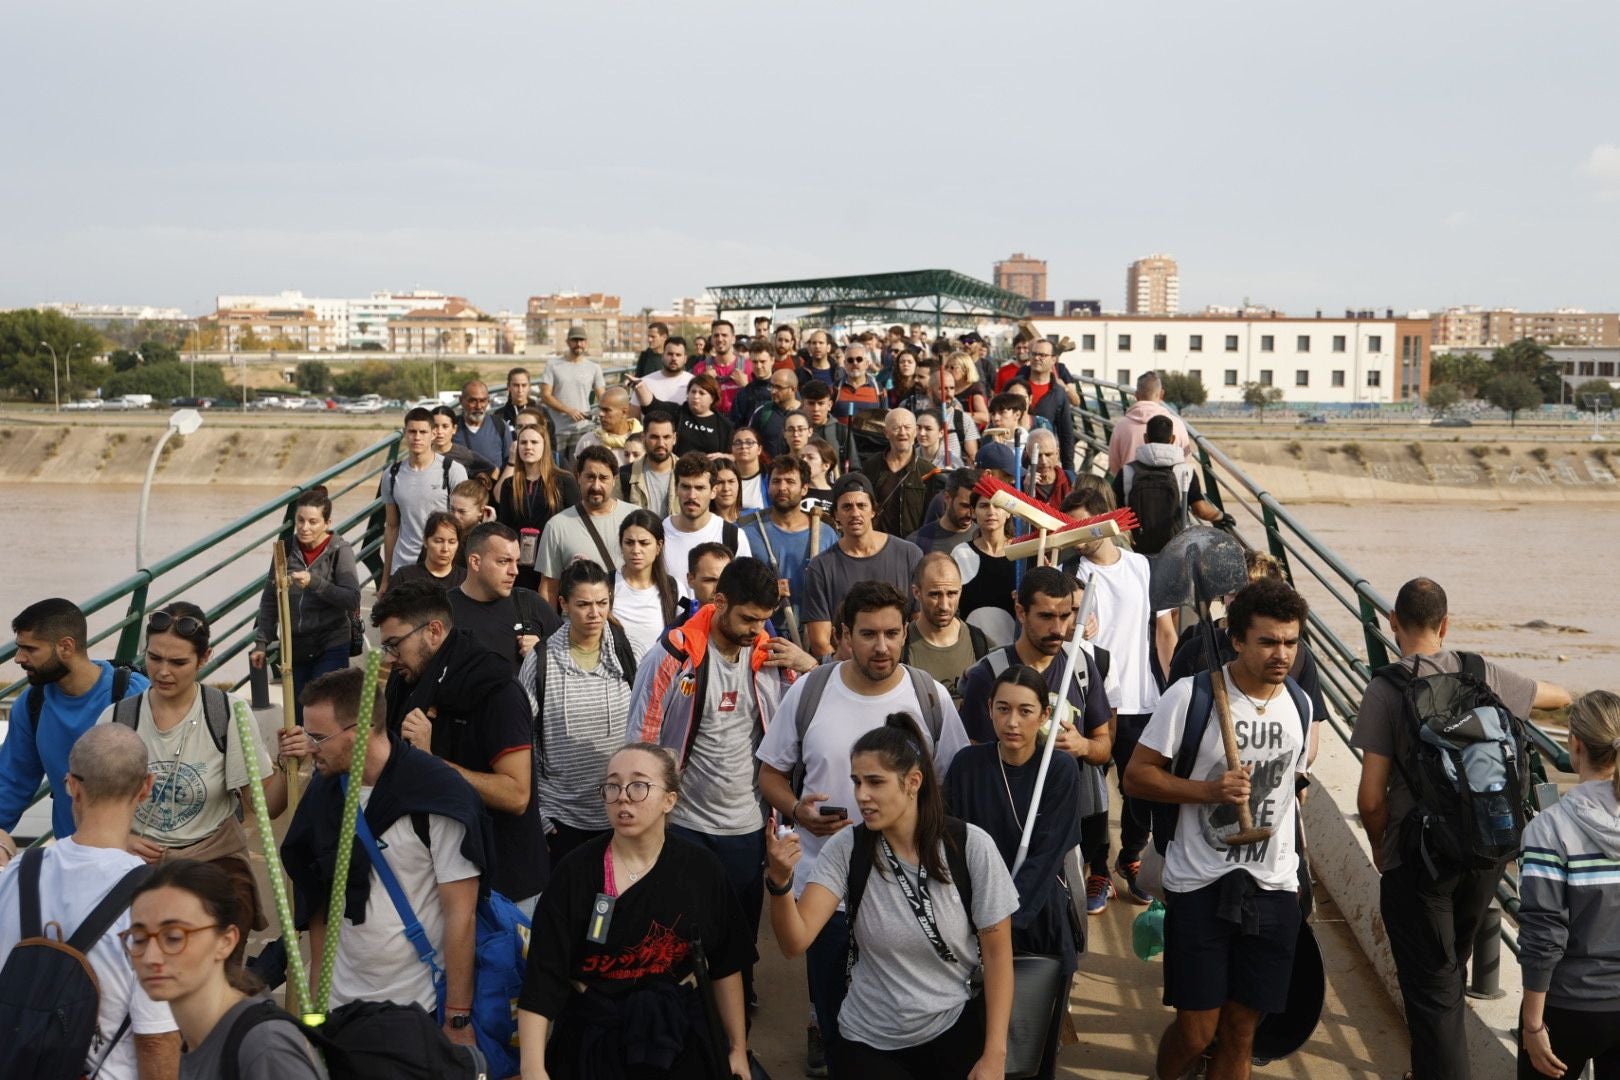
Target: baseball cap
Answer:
pixel 576 333
pixel 997 456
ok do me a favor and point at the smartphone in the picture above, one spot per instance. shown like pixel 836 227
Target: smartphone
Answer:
pixel 833 811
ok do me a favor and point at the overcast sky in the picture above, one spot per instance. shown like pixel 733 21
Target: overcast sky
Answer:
pixel 1383 154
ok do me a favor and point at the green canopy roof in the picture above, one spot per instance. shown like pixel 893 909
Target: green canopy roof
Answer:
pixel 939 297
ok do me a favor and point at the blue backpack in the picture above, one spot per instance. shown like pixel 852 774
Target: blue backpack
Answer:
pixel 502 949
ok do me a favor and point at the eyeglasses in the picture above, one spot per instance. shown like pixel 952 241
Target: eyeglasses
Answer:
pixel 391 646
pixel 187 626
pixel 635 790
pixel 171 938
pixel 745 443
pixel 320 740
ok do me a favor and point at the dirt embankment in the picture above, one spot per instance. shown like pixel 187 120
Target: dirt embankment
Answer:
pixel 76 452
pixel 1477 469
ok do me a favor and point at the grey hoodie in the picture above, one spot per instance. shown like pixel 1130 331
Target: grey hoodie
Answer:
pixel 1569 888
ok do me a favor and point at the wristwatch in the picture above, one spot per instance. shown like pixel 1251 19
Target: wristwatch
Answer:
pixel 460 1020
pixel 778 890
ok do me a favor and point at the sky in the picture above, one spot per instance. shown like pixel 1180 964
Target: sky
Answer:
pixel 1301 155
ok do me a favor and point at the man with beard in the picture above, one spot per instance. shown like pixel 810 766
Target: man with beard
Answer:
pixel 614 424
pixel 710 697
pixel 1221 974
pixel 650 482
pixel 936 640
pixel 782 535
pixel 590 527
pixel 664 389
pixel 955 521
pixel 67 691
pixel 566 389
pixel 478 432
pixel 450 696
pixel 489 605
pixel 769 421
pixel 653 355
pixel 863 553
pixel 902 480
pixel 856 695
pixel 694 523
pixel 729 368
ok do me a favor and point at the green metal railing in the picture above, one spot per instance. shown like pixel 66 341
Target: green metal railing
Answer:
pixel 1344 668
pixel 223 551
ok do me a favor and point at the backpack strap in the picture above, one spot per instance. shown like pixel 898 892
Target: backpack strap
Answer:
pixel 980 643
pixel 728 534
pixel 127 711
pixel 956 841
pixel 863 849
pixel 114 904
pixel 262 1012
pixel 998 662
pixel 36 706
pixel 925 687
pixel 414 933
pixel 28 893
pixel 1166 816
pixel 447 463
pixel 120 685
pixel 393 472
pixel 623 653
pixel 1472 665
pixel 217 714
pixel 601 548
pixel 815 685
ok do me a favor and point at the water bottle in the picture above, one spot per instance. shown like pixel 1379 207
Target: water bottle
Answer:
pixel 1499 814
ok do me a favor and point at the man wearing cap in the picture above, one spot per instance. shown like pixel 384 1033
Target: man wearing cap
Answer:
pixel 863 553
pixel 566 389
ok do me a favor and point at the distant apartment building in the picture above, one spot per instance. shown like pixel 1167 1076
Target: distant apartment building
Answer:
pixel 1153 286
pixel 1314 360
pixel 607 328
pixel 356 323
pixel 104 314
pixel 457 329
pixel 1023 275
pixel 1491 328
pixel 246 329
pixel 699 309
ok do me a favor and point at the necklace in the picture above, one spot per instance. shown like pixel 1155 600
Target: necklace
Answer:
pixel 1011 802
pixel 1259 706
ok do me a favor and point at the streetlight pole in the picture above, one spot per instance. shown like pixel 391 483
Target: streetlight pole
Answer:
pixel 183 422
pixel 67 367
pixel 56 386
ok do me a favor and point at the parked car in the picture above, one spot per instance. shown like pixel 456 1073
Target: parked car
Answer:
pixel 84 404
pixel 191 403
pixel 1315 418
pixel 363 407
pixel 1451 421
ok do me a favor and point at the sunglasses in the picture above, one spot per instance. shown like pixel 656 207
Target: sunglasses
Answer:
pixel 187 626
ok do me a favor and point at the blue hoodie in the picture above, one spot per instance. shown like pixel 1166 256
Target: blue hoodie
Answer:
pixel 29 756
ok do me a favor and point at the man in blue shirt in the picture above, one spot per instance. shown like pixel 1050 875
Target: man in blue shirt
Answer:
pixel 781 534
pixel 479 432
pixel 67 692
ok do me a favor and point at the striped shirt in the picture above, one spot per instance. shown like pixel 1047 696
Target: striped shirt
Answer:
pixel 581 725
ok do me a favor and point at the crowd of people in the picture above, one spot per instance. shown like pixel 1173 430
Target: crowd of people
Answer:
pixel 741 638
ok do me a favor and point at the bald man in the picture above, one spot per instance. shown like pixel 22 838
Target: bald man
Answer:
pixel 614 424
pixel 107 778
pixel 902 480
pixel 1131 431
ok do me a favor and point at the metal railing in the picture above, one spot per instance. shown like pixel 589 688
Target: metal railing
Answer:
pixel 222 552
pixel 1310 564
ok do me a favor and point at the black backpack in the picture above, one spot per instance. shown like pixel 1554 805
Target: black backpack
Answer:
pixel 393 477
pixel 120 688
pixel 860 869
pixel 366 1040
pixel 50 997
pixel 1466 760
pixel 1155 496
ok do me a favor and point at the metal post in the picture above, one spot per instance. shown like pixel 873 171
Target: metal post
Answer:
pixel 1485 969
pixel 146 497
pixel 1377 655
pixel 56 387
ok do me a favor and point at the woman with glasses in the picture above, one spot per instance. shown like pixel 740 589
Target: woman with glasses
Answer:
pixel 183 940
pixel 529 498
pixel 615 942
pixel 201 775
pixel 324 588
pixel 796 433
pixel 441 561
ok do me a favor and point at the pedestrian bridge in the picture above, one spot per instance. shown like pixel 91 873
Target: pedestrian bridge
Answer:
pixel 1116 999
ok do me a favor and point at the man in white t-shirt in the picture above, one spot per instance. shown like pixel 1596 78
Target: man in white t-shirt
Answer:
pixel 694 523
pixel 404 793
pixel 107 778
pixel 667 385
pixel 857 696
pixel 1233 912
pixel 1135 636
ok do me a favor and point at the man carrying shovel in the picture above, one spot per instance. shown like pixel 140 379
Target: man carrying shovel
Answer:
pixel 1227 746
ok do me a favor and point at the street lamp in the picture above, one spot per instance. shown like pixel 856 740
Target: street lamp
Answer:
pixel 56 386
pixel 183 422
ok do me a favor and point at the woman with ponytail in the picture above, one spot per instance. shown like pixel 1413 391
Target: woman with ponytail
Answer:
pixel 182 939
pixel 992 785
pixel 912 1010
pixel 1569 915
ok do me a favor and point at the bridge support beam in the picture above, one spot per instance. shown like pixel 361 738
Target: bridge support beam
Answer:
pixel 1341 859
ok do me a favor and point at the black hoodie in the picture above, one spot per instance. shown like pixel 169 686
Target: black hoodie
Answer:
pixel 481 715
pixel 411 783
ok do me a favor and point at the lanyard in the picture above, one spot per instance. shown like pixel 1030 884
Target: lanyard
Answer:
pixel 921 906
pixel 609 886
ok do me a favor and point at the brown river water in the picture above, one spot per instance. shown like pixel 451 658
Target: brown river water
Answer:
pixel 1501 567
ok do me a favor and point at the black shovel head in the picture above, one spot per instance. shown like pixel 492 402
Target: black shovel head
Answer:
pixel 1198 566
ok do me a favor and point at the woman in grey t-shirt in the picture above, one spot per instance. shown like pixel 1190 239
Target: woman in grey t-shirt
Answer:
pixel 910 1006
pixel 182 937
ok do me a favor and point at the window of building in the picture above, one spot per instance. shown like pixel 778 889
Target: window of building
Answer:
pixel 1588 367
pixel 1123 376
pixel 1231 343
pixel 1088 373
pixel 1338 380
pixel 1231 376
pixel 1302 377
pixel 1195 343
pixel 1375 378
pixel 1265 376
pixel 1302 343
pixel 1088 342
pixel 1124 343
pixel 1268 343
pixel 1196 375
pixel 1375 343
pixel 1606 369
pixel 1338 343
pixel 1161 342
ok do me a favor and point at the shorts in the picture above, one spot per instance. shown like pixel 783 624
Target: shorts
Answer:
pixel 1209 961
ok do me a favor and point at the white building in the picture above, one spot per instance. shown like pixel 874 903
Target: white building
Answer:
pixel 355 322
pixel 1314 360
pixel 104 313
